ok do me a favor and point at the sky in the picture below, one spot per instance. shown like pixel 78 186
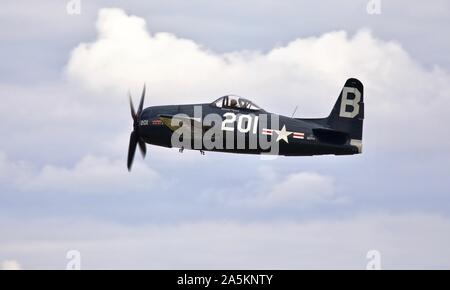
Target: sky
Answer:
pixel 65 124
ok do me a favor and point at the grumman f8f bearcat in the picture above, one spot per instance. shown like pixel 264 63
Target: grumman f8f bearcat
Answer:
pixel 236 125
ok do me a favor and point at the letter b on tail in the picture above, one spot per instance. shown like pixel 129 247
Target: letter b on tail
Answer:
pixel 351 97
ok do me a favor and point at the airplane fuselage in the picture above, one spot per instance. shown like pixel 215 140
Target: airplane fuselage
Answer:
pixel 294 137
pixel 236 125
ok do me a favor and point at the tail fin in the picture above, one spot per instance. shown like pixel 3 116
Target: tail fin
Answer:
pixel 348 112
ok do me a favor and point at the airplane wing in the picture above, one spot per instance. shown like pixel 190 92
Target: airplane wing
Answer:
pixel 177 121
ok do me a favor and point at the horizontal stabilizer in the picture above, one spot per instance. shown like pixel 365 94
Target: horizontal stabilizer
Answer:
pixel 331 136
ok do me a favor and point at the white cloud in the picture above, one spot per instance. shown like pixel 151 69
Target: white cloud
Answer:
pixel 10 265
pixel 302 188
pixel 271 189
pixel 89 175
pixel 415 241
pixel 305 71
pixel 400 93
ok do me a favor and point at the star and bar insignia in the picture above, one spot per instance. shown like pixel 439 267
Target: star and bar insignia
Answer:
pixel 283 134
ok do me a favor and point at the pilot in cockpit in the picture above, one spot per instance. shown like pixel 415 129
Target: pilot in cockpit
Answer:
pixel 233 103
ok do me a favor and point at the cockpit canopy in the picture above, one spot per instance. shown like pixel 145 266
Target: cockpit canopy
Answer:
pixel 235 102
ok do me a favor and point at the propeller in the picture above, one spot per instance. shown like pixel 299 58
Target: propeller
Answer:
pixel 135 139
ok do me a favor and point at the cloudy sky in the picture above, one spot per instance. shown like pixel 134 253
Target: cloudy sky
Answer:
pixel 65 123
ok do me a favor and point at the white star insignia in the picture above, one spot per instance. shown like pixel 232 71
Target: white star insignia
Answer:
pixel 283 134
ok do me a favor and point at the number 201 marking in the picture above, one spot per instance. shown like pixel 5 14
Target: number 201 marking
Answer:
pixel 244 125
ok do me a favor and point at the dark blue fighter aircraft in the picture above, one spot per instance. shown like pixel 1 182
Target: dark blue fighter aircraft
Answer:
pixel 237 125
